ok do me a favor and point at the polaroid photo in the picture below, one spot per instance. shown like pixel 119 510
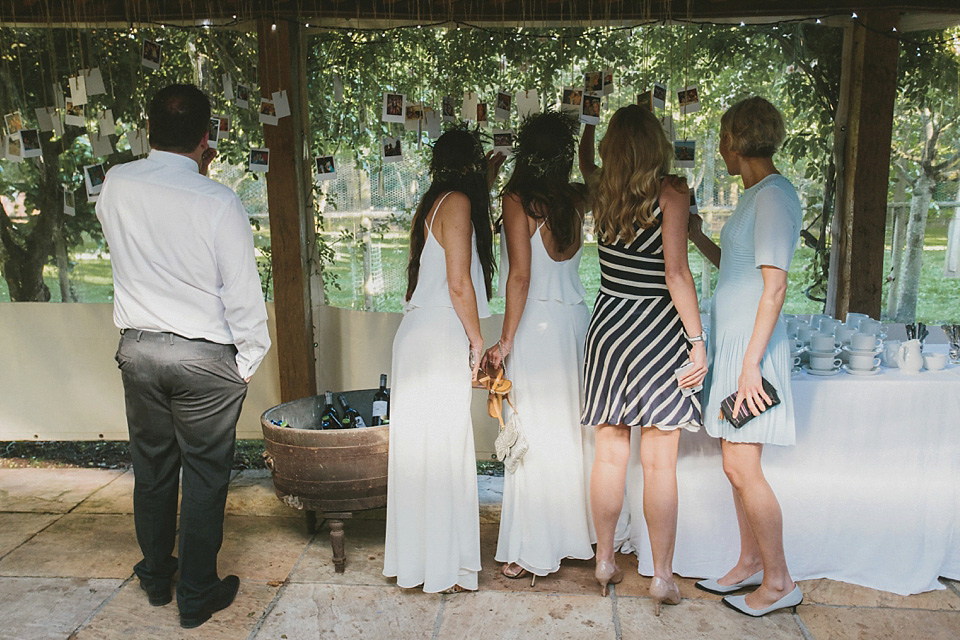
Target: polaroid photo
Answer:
pixel 590 108
pixel 214 132
pixel 13 148
pixel 502 109
pixel 69 203
pixel 503 141
pixel 105 121
pixel 74 115
pixel 668 128
pixel 412 115
pixel 30 143
pixel 684 152
pixel 528 103
pixel 151 55
pixel 93 177
pixel 45 116
pixel 227 83
pixel 101 144
pixel 326 169
pixel 469 107
pixel 393 107
pixel 659 95
pixel 689 99
pixel 78 90
pixel 483 118
pixel 608 81
pixel 139 142
pixel 224 132
pixel 281 103
pixel 448 112
pixel 268 112
pixel 570 100
pixel 337 89
pixel 432 122
pixel 694 209
pixel 243 96
pixel 57 124
pixel 645 100
pixel 58 100
pixel 94 81
pixel 14 122
pixel 259 160
pixel 390 150
pixel 593 81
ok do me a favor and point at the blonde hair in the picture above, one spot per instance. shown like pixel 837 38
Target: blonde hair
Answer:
pixel 636 156
pixel 755 126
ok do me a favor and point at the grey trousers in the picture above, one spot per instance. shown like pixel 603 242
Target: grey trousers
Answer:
pixel 183 400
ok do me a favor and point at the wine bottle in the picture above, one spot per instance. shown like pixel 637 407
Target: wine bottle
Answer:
pixel 329 419
pixel 351 417
pixel 381 403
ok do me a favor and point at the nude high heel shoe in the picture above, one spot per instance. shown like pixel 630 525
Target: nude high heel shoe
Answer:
pixel 607 572
pixel 663 592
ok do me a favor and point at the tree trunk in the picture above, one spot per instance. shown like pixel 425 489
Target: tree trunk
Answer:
pixel 63 267
pixel 951 264
pixel 901 214
pixel 913 255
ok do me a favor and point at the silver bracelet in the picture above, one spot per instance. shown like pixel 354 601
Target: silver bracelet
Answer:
pixel 700 338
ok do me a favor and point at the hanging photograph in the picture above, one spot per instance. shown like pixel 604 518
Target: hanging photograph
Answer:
pixel 281 103
pixel 503 142
pixel 93 176
pixel 58 100
pixel 482 116
pixel 93 80
pixel 69 203
pixel 689 99
pixel 412 115
pixel 268 112
pixel 608 81
pixel 432 123
pixel 684 152
pixel 528 103
pixel 393 104
pixel 78 90
pixel 449 112
pixel 100 144
pixel 243 96
pixel 139 144
pixel 57 123
pixel 14 122
pixel 74 115
pixel 30 143
pixel 659 95
pixel 224 132
pixel 502 111
pixel 326 170
pixel 259 160
pixel 590 108
pixel 105 121
pixel 45 116
pixel 469 107
pixel 645 100
pixel 227 86
pixel 13 148
pixel 151 54
pixel 214 132
pixel 391 150
pixel 570 100
pixel 593 81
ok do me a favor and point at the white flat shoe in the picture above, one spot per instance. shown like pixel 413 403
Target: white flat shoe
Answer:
pixel 712 586
pixel 739 603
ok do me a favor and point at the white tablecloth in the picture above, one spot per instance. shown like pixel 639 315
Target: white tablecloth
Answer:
pixel 870 494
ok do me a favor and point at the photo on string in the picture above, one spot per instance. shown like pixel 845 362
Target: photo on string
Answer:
pixel 391 150
pixel 326 169
pixel 593 81
pixel 482 114
pixel 105 121
pixel 268 112
pixel 608 81
pixel 570 100
pixel 13 148
pixel 259 160
pixel 659 95
pixel 13 122
pixel 528 103
pixel 78 90
pixel 393 107
pixel 214 132
pixel 227 82
pixel 45 116
pixel 684 152
pixel 93 80
pixel 590 108
pixel 432 123
pixel 69 202
pixel 74 115
pixel 281 104
pixel 469 107
pixel 645 100
pixel 93 177
pixel 502 110
pixel 224 132
pixel 689 99
pixel 503 141
pixel 449 114
pixel 412 115
pixel 151 54
pixel 243 96
pixel 30 143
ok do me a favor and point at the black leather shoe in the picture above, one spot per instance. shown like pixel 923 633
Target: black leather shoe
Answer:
pixel 222 599
pixel 158 596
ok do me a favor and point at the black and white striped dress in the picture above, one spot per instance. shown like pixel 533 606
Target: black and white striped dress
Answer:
pixel 635 341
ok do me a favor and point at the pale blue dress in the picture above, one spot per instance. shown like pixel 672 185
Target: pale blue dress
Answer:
pixel 763 231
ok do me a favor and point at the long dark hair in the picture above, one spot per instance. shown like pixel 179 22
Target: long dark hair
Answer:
pixel 541 176
pixel 458 164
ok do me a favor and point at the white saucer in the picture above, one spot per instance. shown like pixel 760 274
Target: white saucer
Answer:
pixel 863 352
pixel 823 372
pixel 861 372
pixel 825 353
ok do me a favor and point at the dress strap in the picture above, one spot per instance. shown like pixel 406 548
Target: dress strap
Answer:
pixel 436 208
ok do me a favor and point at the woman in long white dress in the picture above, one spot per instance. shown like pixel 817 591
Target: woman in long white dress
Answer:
pixel 433 527
pixel 544 515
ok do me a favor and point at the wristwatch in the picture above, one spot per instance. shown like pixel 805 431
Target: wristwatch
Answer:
pixel 700 338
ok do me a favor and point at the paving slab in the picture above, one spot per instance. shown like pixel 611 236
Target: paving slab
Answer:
pixel 855 623
pixel 844 594
pixel 78 545
pixel 701 619
pixel 510 616
pixel 115 497
pixel 49 608
pixel 49 490
pixel 264 549
pixel 251 494
pixel 348 611
pixel 19 527
pixel 363 543
pixel 129 615
pixel 490 493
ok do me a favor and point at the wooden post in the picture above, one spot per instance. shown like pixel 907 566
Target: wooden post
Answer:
pixel 868 88
pixel 289 196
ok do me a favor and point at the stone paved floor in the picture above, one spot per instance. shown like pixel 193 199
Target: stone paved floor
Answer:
pixel 67 546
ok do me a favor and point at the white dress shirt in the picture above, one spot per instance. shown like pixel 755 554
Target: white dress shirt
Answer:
pixel 182 254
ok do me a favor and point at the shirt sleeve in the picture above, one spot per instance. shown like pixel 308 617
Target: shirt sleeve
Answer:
pixel 241 294
pixel 777 228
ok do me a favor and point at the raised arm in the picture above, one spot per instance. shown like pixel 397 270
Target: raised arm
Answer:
pixel 586 152
pixel 454 231
pixel 703 242
pixel 674 201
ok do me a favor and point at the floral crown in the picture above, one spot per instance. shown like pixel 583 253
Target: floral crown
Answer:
pixel 559 159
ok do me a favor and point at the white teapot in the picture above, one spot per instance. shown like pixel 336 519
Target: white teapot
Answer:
pixel 909 357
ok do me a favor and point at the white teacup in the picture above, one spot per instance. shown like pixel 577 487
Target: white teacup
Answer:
pixel 889 355
pixel 853 319
pixel 823 342
pixel 861 341
pixel 863 361
pixel 934 361
pixel 829 325
pixel 824 363
pixel 796 361
pixel 792 324
pixel 869 325
pixel 804 332
pixel 843 333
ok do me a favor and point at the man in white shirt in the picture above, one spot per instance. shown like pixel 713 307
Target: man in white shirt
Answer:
pixel 193 324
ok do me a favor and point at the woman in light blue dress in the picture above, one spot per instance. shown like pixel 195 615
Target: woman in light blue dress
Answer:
pixel 748 342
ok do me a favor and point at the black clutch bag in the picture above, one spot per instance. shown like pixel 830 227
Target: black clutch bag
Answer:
pixel 745 415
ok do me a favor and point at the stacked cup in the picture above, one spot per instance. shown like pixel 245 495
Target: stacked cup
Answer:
pixel 864 350
pixel 823 356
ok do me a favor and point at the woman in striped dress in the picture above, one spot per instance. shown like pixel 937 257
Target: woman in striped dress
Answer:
pixel 645 325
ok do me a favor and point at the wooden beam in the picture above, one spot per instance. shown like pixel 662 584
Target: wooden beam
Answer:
pixel 868 89
pixel 291 221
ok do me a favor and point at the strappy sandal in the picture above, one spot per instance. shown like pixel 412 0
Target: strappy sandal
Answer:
pixel 522 573
pixel 455 589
